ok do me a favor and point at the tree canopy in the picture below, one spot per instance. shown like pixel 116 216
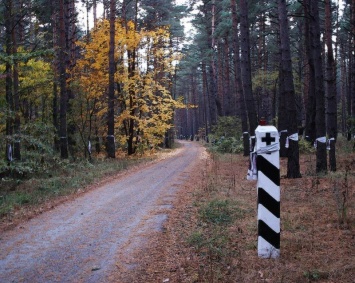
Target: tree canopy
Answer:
pixel 239 61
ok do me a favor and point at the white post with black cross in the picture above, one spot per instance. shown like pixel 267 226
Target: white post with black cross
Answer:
pixel 268 186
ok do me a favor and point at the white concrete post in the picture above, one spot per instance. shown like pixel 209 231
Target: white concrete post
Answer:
pixel 268 185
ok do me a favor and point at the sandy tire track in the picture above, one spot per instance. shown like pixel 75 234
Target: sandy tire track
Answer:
pixel 84 239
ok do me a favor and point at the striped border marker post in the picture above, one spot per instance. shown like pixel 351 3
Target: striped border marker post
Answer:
pixel 268 166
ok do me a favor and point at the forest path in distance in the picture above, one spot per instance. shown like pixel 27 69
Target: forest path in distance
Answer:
pixel 84 239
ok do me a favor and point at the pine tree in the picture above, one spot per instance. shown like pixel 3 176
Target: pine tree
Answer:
pixel 62 71
pixel 110 139
pixel 288 92
pixel 246 66
pixel 316 53
pixel 331 87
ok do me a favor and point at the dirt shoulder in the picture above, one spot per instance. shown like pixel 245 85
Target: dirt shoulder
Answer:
pixel 316 245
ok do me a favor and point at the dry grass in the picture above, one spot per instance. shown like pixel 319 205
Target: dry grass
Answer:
pixel 317 223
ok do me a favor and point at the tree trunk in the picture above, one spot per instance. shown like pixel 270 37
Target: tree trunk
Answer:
pixel 282 98
pixel 71 38
pixel 62 82
pixel 246 66
pixel 94 8
pixel 8 80
pixel 229 98
pixel 110 139
pixel 240 101
pixel 321 166
pixel 55 108
pixel 288 92
pixel 343 92
pixel 206 100
pixel 16 96
pixel 131 55
pixel 220 80
pixel 352 66
pixel 331 87
pixel 310 100
pixel 55 115
pixel 214 101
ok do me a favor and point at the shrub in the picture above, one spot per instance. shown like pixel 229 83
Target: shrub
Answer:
pixel 305 147
pixel 226 135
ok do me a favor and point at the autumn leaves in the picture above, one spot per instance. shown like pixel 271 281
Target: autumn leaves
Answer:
pixel 143 67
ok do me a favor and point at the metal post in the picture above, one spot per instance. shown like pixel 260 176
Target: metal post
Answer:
pixel 268 188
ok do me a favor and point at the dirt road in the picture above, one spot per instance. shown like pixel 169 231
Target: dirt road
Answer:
pixel 83 240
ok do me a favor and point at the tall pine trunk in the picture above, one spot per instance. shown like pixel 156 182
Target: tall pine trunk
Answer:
pixel 8 81
pixel 132 57
pixel 214 101
pixel 16 96
pixel 282 114
pixel 310 100
pixel 132 101
pixel 288 92
pixel 321 164
pixel 240 101
pixel 246 66
pixel 352 66
pixel 16 25
pixel 229 98
pixel 206 100
pixel 62 69
pixel 55 108
pixel 110 139
pixel 71 38
pixel 331 87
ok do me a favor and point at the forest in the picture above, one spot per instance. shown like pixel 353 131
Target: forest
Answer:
pixel 136 79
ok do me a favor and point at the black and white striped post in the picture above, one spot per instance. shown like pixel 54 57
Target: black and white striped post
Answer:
pixel 268 167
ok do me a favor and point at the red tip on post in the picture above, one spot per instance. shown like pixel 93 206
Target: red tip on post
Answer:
pixel 262 122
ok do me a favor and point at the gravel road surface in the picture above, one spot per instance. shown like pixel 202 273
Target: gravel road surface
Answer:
pixel 84 239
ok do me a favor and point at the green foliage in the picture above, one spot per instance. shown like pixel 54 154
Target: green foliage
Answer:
pixel 228 145
pixel 305 147
pixel 39 135
pixel 315 275
pixel 350 122
pixel 36 151
pixel 226 135
pixel 344 146
pixel 219 212
pixel 227 126
pixel 61 177
pixel 25 57
pixel 216 215
pixel 265 80
pixel 196 239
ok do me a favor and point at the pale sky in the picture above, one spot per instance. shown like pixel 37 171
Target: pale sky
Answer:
pixel 82 14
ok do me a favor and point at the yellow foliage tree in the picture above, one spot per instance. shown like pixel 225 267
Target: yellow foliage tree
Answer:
pixel 144 63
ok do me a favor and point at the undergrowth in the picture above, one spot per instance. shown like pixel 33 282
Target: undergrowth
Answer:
pixel 34 184
pixel 313 210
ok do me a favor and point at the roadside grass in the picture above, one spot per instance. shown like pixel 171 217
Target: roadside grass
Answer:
pixel 21 198
pixel 217 241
